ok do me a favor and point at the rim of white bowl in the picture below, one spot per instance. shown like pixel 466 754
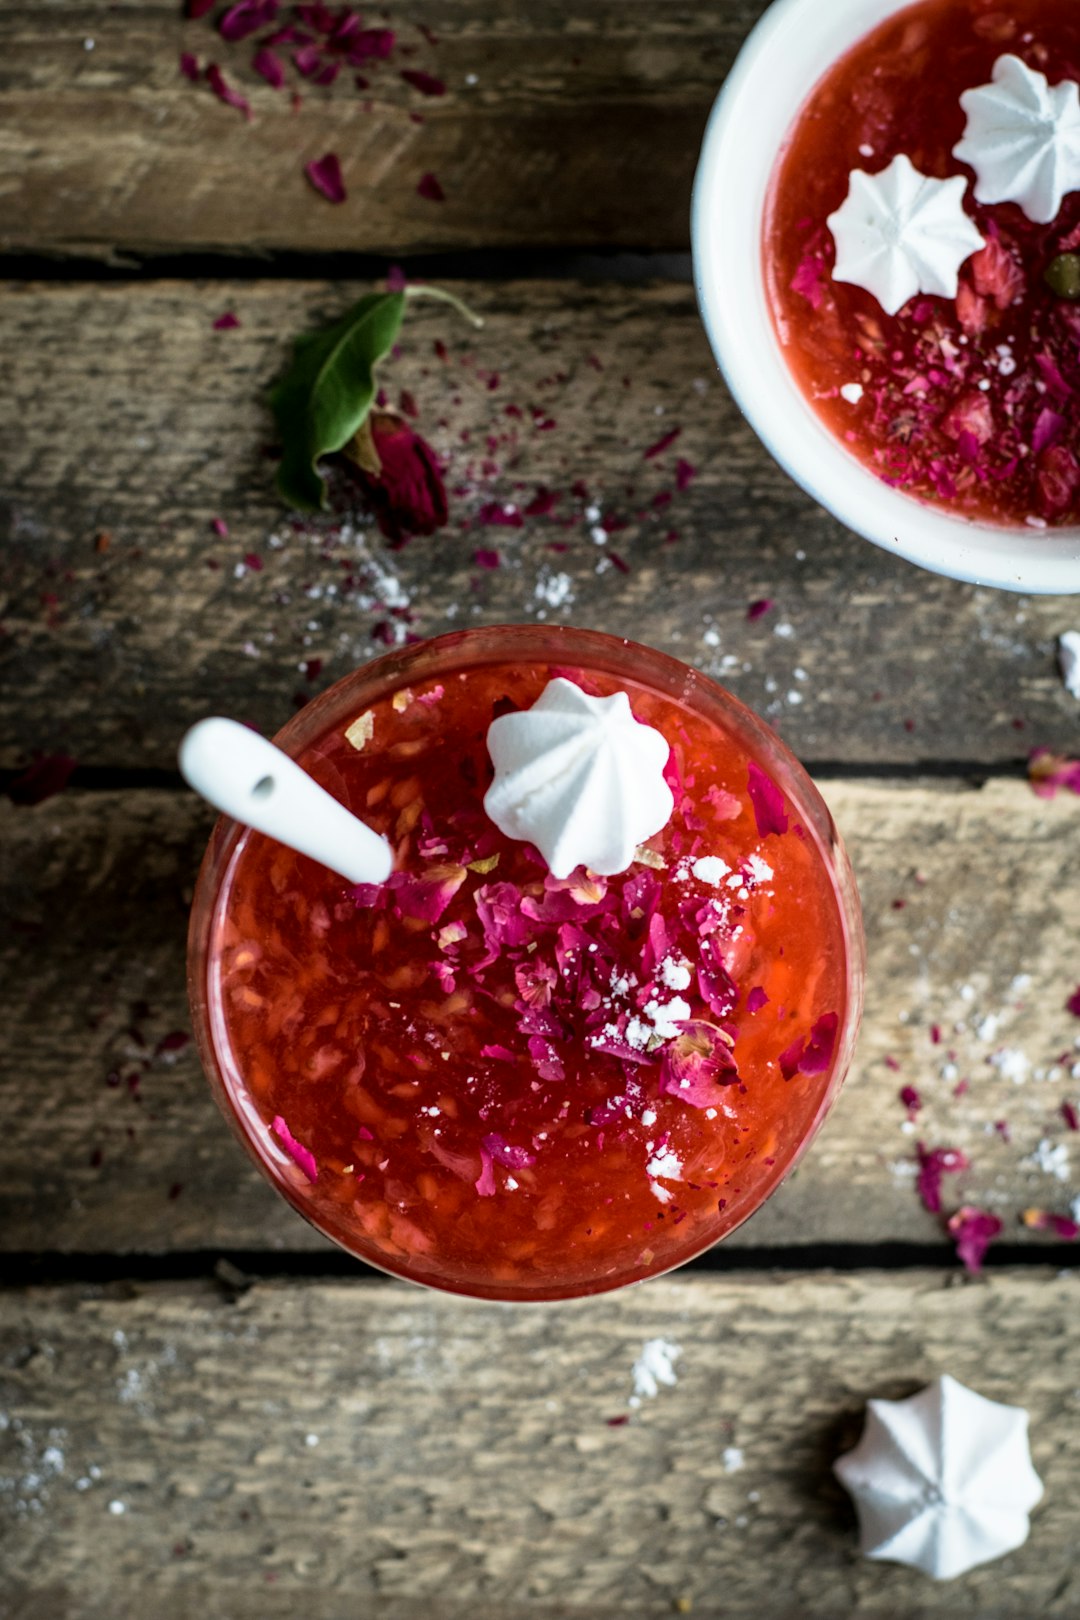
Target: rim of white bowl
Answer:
pixel 783 58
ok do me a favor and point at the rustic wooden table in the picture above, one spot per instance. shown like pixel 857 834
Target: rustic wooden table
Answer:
pixel 204 1410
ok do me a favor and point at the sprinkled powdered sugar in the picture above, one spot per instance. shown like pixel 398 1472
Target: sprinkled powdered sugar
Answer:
pixel 654 1366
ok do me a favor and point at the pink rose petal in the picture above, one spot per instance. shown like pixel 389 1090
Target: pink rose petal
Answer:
pixel 189 66
pixel 768 802
pixel 973 1231
pixel 485 1183
pixel 697 1064
pixel 269 67
pixel 325 175
pixel 299 1154
pixel 224 91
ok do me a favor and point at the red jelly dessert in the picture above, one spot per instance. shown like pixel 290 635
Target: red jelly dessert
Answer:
pixel 969 402
pixel 484 1078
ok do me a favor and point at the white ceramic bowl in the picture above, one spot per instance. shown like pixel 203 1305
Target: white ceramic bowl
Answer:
pixel 792 46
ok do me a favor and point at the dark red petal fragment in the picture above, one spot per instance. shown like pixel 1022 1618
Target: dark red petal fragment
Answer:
pixel 189 66
pixel 662 443
pixel 933 1164
pixel 46 775
pixel 325 175
pixel 426 83
pixel 269 67
pixel 756 999
pixel 973 1231
pixel 224 91
pixel 430 189
pixel 198 8
pixel 758 609
pixel 1073 1003
pixel 814 1054
pixel 227 322
pixel 246 17
pixel 768 803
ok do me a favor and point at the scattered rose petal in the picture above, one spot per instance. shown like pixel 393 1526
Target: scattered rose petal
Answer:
pixel 45 776
pixel 973 1231
pixel 685 473
pixel 757 609
pixel 933 1164
pixel 1048 772
pixel 494 515
pixel 246 17
pixel 189 66
pixel 911 1099
pixel 768 802
pixel 269 67
pixel 486 559
pixel 1070 1116
pixel 227 322
pixel 224 91
pixel 1041 1220
pixel 426 83
pixel 325 175
pixel 756 999
pixel 662 444
pixel 299 1154
pixel 430 189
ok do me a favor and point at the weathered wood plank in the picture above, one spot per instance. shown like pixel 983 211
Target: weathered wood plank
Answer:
pixel 111 653
pixel 108 1147
pixel 561 125
pixel 408 1466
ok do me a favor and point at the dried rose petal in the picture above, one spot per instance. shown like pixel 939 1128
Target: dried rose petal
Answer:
pixel 198 8
pixel 45 775
pixel 685 473
pixel 933 1164
pixel 662 444
pixel 495 515
pixel 269 67
pixel 189 66
pixel 430 189
pixel 427 896
pixel 973 1231
pixel 768 802
pixel 809 280
pixel 426 83
pixel 246 17
pixel 485 1184
pixel 227 322
pixel 370 44
pixel 697 1063
pixel 325 175
pixel 513 1158
pixel 224 91
pixel 911 1099
pixel 814 1054
pixel 299 1154
pixel 1041 1220
pixel 1073 1003
pixel 1070 1116
pixel 1047 772
pixel 756 999
pixel 757 609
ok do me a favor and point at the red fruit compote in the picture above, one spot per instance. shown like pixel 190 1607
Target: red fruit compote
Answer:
pixel 967 402
pixel 482 1078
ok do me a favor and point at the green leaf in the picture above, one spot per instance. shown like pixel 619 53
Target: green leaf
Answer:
pixel 328 391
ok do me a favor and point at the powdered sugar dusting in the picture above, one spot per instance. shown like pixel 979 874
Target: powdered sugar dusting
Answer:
pixel 655 1366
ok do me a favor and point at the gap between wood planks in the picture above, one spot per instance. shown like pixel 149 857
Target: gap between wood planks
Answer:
pixel 481 264
pixel 235 1269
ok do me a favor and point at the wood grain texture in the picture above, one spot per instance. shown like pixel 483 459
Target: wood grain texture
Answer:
pixel 561 125
pixel 130 424
pixel 112 1145
pixel 400 1464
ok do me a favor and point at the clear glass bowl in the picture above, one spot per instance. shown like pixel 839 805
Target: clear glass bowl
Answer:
pixel 438 660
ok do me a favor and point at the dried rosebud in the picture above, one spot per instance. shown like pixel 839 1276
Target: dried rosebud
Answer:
pixel 402 479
